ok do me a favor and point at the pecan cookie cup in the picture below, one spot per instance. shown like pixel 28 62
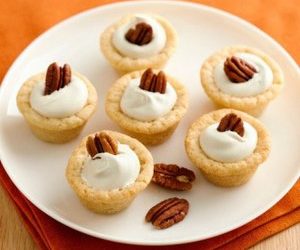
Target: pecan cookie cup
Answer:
pixel 51 129
pixel 151 132
pixel 139 34
pixel 241 127
pixel 116 199
pixel 242 78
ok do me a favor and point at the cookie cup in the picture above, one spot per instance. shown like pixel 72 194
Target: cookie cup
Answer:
pixel 148 132
pixel 253 105
pixel 55 130
pixel 226 174
pixel 124 64
pixel 112 201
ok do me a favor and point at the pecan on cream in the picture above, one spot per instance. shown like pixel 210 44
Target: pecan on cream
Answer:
pixel 101 143
pixel 152 82
pixel 57 77
pixel 231 122
pixel 238 70
pixel 140 35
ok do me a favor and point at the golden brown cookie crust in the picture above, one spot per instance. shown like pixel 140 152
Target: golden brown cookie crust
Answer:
pixel 226 174
pixel 253 104
pixel 56 130
pixel 114 200
pixel 147 132
pixel 124 64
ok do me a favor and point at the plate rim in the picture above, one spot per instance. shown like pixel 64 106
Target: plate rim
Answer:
pixel 103 7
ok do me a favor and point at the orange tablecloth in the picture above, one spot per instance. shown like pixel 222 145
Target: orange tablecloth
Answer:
pixel 21 21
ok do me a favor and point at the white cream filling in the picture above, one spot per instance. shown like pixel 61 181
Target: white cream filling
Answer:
pixel 144 105
pixel 60 103
pixel 261 81
pixel 228 146
pixel 107 171
pixel 135 51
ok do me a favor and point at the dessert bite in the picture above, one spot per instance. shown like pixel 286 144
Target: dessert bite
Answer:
pixel 241 78
pixel 108 169
pixel 57 104
pixel 227 146
pixel 147 104
pixel 137 42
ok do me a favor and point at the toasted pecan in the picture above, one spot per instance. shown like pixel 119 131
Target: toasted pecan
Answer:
pixel 238 70
pixel 168 212
pixel 231 122
pixel 152 82
pixel 140 35
pixel 173 177
pixel 57 77
pixel 101 143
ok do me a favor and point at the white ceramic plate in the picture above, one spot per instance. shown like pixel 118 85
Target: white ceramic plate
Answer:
pixel 37 168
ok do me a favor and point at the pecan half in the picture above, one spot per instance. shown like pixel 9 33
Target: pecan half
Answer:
pixel 168 212
pixel 238 70
pixel 101 143
pixel 173 177
pixel 57 77
pixel 140 35
pixel 152 82
pixel 231 122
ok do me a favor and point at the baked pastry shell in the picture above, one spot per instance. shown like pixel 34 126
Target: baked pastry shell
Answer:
pixel 55 130
pixel 253 105
pixel 112 201
pixel 148 132
pixel 226 174
pixel 123 64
